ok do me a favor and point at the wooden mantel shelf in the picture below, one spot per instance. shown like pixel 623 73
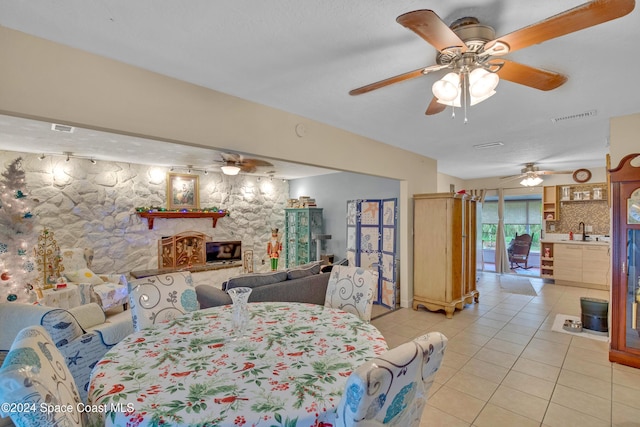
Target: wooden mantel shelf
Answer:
pixel 150 216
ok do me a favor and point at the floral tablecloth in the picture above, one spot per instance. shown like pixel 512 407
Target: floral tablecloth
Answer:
pixel 289 370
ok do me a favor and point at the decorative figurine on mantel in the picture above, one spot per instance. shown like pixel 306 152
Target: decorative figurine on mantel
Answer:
pixel 273 249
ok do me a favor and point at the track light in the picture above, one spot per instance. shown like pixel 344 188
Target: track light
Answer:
pixel 93 161
pixel 68 157
pixel 41 156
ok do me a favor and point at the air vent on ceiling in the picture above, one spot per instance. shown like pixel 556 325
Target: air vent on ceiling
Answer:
pixel 488 145
pixel 62 128
pixel 575 116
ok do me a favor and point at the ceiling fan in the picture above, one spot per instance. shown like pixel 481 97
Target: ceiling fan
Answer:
pixel 530 175
pixel 233 163
pixel 474 55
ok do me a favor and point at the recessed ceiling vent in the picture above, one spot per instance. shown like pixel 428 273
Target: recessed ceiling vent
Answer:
pixel 575 116
pixel 488 145
pixel 62 128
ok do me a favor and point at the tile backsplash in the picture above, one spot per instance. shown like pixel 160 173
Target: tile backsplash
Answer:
pixel 594 213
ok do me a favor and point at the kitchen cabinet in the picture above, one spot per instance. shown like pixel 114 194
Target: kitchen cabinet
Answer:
pixel 625 286
pixel 581 264
pixel 550 203
pixel 300 227
pixel 444 242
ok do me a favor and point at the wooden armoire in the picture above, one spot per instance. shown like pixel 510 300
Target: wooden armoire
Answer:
pixel 625 258
pixel 444 251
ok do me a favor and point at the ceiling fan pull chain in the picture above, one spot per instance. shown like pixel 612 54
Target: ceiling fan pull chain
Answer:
pixel 465 91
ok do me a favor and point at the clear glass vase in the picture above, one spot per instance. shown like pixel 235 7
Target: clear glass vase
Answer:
pixel 240 311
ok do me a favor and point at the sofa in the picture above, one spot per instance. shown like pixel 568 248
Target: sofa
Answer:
pixel 301 284
pixel 82 334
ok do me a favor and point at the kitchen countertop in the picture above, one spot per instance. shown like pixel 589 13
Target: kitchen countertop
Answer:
pixel 578 242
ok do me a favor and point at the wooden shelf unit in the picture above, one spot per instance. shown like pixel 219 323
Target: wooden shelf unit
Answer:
pixel 550 211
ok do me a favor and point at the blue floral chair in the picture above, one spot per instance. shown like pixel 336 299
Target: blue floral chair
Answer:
pixel 351 289
pixel 392 389
pixel 35 373
pixel 159 299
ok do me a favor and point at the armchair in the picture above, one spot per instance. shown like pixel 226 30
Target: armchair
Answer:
pixel 108 290
pixel 81 334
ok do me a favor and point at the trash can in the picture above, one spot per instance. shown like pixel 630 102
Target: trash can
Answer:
pixel 594 314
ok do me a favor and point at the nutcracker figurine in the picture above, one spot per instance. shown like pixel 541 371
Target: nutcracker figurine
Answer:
pixel 273 249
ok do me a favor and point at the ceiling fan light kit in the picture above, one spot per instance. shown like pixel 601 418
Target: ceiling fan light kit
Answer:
pixel 474 54
pixel 531 181
pixel 230 169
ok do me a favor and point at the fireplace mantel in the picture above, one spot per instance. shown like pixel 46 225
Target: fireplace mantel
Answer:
pixel 151 216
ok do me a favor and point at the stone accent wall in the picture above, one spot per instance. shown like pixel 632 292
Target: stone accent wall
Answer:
pixel 88 205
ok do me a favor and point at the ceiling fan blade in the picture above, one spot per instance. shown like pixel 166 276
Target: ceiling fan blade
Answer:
pixel 553 172
pixel 396 79
pixel 572 20
pixel 536 78
pixel 434 107
pixel 431 28
pixel 513 177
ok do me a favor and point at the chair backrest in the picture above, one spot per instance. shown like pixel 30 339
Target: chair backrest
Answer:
pixel 392 389
pixel 351 289
pixel 34 373
pixel 158 299
pixel 522 245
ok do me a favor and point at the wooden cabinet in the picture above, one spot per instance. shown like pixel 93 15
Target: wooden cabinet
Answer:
pixel 567 262
pixel 550 211
pixel 444 250
pixel 301 225
pixel 581 264
pixel 625 285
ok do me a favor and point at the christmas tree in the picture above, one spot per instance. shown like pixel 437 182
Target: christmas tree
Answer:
pixel 17 239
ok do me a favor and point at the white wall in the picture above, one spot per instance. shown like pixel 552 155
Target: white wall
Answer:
pixel 624 137
pixel 332 193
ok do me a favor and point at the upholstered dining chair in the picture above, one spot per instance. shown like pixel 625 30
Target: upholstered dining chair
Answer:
pixel 158 299
pixel 392 388
pixel 351 289
pixel 35 373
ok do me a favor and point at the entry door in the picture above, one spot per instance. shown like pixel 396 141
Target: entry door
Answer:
pixel 371 243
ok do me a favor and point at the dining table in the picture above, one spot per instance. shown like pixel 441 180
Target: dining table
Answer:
pixel 289 368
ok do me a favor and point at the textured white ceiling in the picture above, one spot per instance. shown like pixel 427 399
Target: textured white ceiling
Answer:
pixel 304 57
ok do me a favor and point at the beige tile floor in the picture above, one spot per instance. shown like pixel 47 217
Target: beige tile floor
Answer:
pixel 505 367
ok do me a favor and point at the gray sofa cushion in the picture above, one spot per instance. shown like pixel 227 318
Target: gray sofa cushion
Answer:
pixel 255 280
pixel 310 289
pixel 304 270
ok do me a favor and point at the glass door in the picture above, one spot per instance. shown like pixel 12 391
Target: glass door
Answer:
pixel 633 289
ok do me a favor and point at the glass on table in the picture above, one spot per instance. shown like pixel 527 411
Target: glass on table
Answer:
pixel 240 311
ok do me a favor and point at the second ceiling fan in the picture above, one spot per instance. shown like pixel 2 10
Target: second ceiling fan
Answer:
pixel 475 56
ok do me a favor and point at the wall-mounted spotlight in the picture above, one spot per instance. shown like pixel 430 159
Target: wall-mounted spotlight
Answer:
pixel 93 161
pixel 41 156
pixel 68 157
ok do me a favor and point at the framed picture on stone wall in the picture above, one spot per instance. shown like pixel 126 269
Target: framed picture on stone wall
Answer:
pixel 182 191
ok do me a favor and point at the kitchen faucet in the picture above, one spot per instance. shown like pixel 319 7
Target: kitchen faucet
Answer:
pixel 584 230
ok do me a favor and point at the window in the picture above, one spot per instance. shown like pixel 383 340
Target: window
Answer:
pixel 520 216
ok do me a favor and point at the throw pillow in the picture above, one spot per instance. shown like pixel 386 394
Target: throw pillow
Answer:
pixel 84 275
pixel 255 280
pixel 304 270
